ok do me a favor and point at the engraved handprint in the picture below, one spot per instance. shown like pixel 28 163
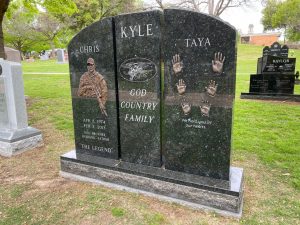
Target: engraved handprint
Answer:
pixel 217 63
pixel 212 88
pixel 177 64
pixel 186 107
pixel 205 108
pixel 181 86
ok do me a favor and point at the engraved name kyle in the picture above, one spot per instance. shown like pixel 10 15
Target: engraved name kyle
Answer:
pixel 136 31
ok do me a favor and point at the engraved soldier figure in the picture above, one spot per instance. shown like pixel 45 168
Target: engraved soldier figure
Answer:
pixel 92 84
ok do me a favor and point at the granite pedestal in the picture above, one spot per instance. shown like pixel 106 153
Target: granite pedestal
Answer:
pixel 220 196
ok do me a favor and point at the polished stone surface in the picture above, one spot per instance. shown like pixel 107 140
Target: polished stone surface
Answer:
pixel 199 190
pixel 96 130
pixel 138 38
pixel 275 75
pixel 272 83
pixel 276 65
pixel 200 70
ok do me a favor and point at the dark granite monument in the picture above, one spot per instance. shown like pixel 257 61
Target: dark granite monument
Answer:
pixel 275 78
pixel 93 85
pixel 138 38
pixel 177 148
pixel 200 65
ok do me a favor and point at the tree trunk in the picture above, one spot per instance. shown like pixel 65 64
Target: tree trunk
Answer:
pixel 2 51
pixel 52 54
pixel 3 8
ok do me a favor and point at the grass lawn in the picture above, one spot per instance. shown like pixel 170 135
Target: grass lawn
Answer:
pixel 266 143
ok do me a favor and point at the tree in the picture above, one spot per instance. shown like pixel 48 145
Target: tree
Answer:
pixel 3 8
pixel 213 7
pixel 18 32
pixel 67 7
pixel 90 11
pixel 285 14
pixel 49 29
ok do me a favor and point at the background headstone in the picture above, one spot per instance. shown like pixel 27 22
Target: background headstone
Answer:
pixel 266 50
pixel 138 38
pixel 94 104
pixel 285 51
pixel 275 49
pixel 200 71
pixel 12 55
pixel 44 57
pixel 15 134
pixel 60 56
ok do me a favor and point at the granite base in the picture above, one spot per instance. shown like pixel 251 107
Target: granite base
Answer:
pixel 13 142
pixel 271 97
pixel 223 197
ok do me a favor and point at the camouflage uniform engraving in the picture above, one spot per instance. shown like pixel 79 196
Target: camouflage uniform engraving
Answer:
pixel 93 85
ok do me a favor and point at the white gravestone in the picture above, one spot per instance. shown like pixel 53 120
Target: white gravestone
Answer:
pixel 60 56
pixel 15 134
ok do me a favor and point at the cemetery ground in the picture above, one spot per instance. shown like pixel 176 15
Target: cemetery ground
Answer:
pixel 266 144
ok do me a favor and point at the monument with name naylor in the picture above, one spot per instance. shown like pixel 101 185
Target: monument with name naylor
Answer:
pixel 275 76
pixel 174 145
pixel 15 134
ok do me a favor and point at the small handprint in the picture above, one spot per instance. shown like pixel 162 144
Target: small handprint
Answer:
pixel 177 64
pixel 212 88
pixel 217 63
pixel 205 108
pixel 181 86
pixel 186 107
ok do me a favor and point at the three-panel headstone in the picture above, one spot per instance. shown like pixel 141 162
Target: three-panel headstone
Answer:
pixel 128 132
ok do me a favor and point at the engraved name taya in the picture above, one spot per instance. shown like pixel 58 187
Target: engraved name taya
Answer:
pixel 197 42
pixel 136 31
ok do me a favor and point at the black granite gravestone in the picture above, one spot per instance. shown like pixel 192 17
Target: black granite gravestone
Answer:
pixel 200 70
pixel 93 85
pixel 138 38
pixel 275 75
pixel 199 64
pixel 276 65
pixel 275 49
pixel 272 83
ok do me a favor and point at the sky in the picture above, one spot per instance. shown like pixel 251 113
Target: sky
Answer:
pixel 239 17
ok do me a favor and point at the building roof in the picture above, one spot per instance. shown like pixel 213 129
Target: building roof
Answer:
pixel 262 34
